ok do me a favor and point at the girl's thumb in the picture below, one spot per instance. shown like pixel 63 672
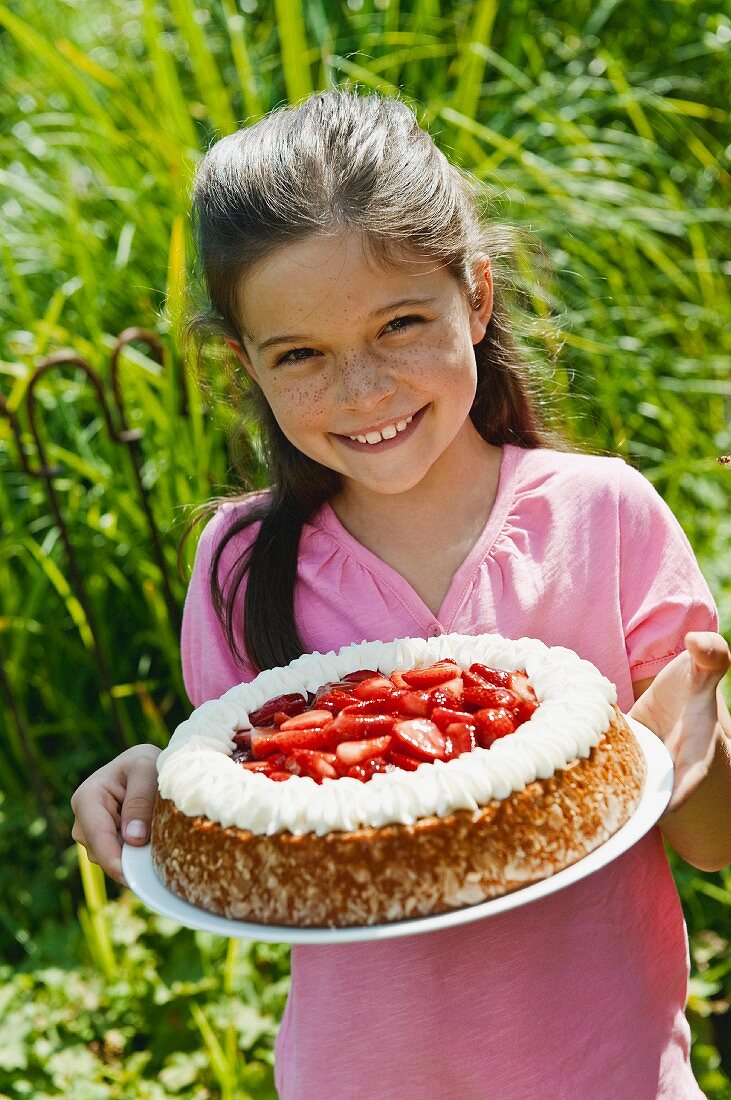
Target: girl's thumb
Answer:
pixel 139 802
pixel 709 653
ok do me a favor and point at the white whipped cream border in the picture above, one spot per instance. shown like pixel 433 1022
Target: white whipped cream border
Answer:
pixel 196 771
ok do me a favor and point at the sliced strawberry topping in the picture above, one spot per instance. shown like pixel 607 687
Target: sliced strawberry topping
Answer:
pixel 284 704
pixel 496 676
pixel 431 676
pixel 528 699
pixel 333 700
pixel 453 688
pixel 265 742
pixel 360 674
pixel 404 761
pixel 420 738
pixel 308 720
pixel 368 768
pixel 368 723
pixel 460 737
pixel 493 723
pixel 317 765
pixel 362 725
pixel 373 688
pixel 416 703
pixel 442 716
pixel 478 694
pixel 354 752
pixel 380 704
pixel 397 679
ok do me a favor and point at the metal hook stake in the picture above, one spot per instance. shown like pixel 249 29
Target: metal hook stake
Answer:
pixel 132 437
pixel 47 473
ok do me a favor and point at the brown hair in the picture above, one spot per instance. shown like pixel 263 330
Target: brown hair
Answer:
pixel 338 161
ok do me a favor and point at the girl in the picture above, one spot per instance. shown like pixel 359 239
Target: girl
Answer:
pixel 415 490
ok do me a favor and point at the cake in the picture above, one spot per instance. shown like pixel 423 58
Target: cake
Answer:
pixel 393 780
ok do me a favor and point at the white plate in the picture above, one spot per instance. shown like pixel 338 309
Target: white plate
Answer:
pixel 138 870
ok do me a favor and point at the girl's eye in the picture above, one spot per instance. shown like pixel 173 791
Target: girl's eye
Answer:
pixel 296 355
pixel 400 323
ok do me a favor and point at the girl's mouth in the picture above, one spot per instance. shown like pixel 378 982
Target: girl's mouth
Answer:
pixel 385 444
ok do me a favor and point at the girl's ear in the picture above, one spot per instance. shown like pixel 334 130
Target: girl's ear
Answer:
pixel 481 310
pixel 240 353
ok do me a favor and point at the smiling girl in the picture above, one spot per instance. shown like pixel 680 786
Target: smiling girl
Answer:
pixel 415 490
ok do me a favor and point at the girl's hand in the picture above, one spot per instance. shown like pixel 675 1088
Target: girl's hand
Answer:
pixel 681 707
pixel 116 802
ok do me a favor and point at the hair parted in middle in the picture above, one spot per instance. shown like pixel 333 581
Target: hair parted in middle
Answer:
pixel 340 161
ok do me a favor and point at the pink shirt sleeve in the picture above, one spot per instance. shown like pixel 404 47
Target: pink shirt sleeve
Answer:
pixel 663 592
pixel 209 666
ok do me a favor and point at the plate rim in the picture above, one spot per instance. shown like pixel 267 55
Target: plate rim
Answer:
pixel 142 880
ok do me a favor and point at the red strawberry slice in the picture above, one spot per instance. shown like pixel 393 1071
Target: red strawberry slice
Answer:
pixel 368 768
pixel 452 688
pixel 496 676
pixel 333 700
pixel 404 761
pixel 416 704
pixel 492 724
pixel 380 704
pixel 375 687
pixel 265 742
pixel 243 738
pixel 479 695
pixel 397 679
pixel 308 720
pixel 255 765
pixel 317 765
pixel 355 752
pixel 527 696
pixel 279 776
pixel 442 716
pixel 420 738
pixel 430 677
pixel 460 738
pixel 347 725
pixel 359 674
pixel 284 704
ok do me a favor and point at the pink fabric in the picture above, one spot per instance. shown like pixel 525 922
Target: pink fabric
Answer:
pixel 582 994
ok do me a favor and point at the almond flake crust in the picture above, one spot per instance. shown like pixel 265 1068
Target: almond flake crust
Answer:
pixel 375 875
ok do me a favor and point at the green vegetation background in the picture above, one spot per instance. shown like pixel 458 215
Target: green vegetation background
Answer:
pixel 600 127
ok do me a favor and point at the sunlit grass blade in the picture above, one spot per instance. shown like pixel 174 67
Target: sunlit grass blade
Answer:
pixel 214 95
pixel 294 49
pixel 473 58
pixel 168 91
pixel 237 28
pixel 92 918
pixel 44 51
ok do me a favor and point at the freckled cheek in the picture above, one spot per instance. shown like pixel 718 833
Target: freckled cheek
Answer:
pixel 302 406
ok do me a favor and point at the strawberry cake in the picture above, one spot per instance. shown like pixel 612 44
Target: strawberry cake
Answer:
pixel 393 780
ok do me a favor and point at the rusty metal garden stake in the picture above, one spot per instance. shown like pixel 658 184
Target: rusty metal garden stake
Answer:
pixel 132 437
pixel 47 474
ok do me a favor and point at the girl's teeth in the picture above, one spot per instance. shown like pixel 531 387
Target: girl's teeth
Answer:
pixel 387 433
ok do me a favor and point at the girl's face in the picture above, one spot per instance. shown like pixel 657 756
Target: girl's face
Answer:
pixel 370 372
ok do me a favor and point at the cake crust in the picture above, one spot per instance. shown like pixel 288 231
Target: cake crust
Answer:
pixel 375 875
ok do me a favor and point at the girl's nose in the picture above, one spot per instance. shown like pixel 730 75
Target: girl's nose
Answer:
pixel 364 380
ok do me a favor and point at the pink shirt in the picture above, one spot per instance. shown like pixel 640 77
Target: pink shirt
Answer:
pixel 579 996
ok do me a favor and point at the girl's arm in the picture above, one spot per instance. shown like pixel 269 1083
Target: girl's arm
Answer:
pixel 684 707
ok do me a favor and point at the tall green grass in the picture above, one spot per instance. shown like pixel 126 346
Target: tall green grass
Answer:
pixel 599 128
